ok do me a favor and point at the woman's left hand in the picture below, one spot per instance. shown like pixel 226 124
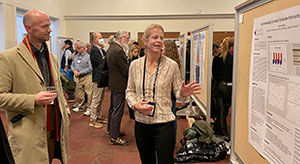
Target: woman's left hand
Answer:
pixel 189 89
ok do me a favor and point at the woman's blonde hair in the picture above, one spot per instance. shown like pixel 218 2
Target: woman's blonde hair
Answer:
pixel 149 28
pixel 132 47
pixel 225 47
pixel 171 51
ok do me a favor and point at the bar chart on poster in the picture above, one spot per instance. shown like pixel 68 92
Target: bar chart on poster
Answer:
pixel 267 83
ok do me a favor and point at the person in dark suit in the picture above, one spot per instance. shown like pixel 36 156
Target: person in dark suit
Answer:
pixel 222 67
pixel 97 56
pixel 118 75
pixel 5 151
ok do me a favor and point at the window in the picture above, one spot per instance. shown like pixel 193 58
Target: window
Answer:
pixel 20 28
pixel 2 39
pixel 55 27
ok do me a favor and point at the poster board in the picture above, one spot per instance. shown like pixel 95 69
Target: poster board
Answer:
pixel 201 63
pixel 242 151
pixel 182 55
pixel 60 44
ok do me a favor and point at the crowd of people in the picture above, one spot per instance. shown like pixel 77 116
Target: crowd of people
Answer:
pixel 148 80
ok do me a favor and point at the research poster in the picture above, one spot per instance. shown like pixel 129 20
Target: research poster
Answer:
pixel 182 55
pixel 198 57
pixel 274 90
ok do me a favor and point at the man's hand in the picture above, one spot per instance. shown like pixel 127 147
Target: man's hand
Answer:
pixel 44 98
pixel 66 68
pixel 76 73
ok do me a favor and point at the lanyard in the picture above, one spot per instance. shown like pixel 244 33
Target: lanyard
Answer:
pixel 156 73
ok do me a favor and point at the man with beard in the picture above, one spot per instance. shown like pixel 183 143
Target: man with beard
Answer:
pixel 118 75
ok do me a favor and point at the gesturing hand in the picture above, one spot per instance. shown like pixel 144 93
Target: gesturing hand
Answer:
pixel 189 89
pixel 44 98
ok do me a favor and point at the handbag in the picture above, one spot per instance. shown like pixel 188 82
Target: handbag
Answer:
pixel 201 152
pixel 103 73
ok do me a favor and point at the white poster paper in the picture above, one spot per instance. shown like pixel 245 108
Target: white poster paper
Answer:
pixel 274 90
pixel 182 55
pixel 199 57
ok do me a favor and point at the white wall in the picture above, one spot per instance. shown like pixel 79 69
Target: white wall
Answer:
pixel 79 29
pixel 113 7
pixel 54 8
pixel 2 40
pixel 93 11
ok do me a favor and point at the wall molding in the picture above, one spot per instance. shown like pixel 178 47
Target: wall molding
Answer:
pixel 149 17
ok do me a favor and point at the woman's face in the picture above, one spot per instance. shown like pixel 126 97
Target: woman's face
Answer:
pixel 220 48
pixel 154 42
pixel 135 52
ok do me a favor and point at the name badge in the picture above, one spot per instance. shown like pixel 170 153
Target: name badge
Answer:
pixel 78 61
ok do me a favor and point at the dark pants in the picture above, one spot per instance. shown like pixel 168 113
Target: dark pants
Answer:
pixel 173 98
pixel 115 113
pixel 5 152
pixel 54 150
pixel 222 97
pixel 131 113
pixel 213 113
pixel 155 142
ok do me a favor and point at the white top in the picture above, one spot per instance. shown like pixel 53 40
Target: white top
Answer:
pixel 68 54
pixel 168 78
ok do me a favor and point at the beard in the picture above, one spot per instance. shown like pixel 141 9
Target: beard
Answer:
pixel 125 46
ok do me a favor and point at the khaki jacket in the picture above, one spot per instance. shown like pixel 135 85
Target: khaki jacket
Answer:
pixel 20 81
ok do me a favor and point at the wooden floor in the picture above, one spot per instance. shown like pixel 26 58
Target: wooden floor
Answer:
pixel 90 146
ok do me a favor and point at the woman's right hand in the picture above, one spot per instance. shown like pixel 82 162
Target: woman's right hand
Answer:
pixel 144 108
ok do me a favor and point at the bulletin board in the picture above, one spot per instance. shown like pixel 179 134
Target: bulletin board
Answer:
pixel 200 70
pixel 241 150
pixel 220 35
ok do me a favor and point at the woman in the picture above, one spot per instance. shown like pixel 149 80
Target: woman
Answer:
pixel 222 74
pixel 151 79
pixel 133 53
pixel 215 52
pixel 170 50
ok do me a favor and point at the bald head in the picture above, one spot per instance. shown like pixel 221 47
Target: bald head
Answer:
pixel 37 25
pixel 31 15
